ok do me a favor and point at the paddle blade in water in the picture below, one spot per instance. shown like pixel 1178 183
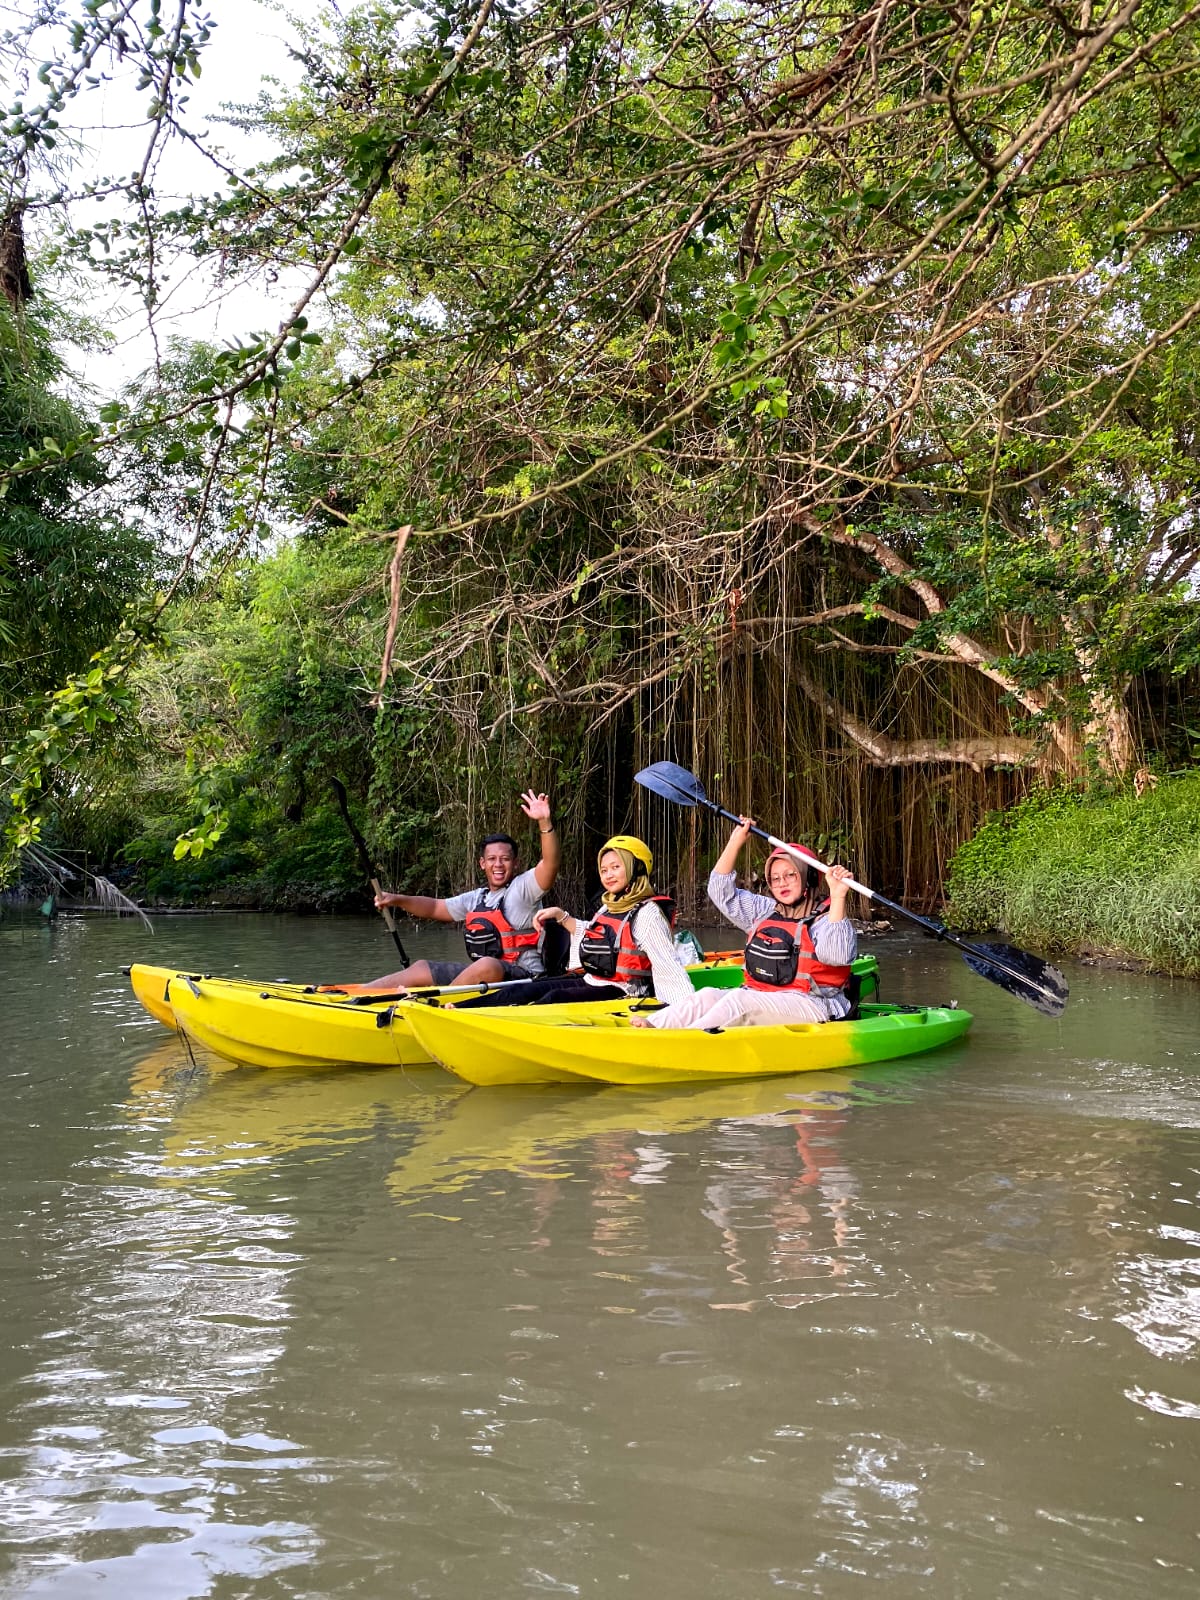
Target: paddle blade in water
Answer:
pixel 672 783
pixel 1027 976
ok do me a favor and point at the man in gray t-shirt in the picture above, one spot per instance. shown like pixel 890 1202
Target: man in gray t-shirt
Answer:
pixel 497 919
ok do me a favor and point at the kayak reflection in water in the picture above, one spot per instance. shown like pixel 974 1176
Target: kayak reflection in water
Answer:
pixel 627 950
pixel 798 952
pixel 785 1211
pixel 497 920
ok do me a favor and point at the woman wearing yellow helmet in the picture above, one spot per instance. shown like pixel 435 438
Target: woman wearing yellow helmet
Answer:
pixel 627 949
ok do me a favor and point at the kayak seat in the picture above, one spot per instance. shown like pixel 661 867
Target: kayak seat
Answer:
pixel 555 948
pixel 854 995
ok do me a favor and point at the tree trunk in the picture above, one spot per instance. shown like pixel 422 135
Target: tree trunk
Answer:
pixel 1109 730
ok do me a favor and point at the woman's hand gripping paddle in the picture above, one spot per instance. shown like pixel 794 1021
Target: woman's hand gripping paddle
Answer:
pixel 1027 976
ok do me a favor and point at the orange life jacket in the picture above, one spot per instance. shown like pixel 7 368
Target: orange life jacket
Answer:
pixel 489 933
pixel 609 950
pixel 776 959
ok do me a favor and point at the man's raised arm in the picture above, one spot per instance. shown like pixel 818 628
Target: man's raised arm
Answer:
pixel 537 808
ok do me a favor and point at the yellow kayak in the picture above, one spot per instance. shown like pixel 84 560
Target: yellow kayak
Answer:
pixel 149 984
pixel 292 1025
pixel 598 1044
pixel 284 1024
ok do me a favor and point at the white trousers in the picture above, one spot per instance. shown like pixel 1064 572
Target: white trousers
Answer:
pixel 740 1008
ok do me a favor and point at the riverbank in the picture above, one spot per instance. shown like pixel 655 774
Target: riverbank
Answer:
pixel 1111 879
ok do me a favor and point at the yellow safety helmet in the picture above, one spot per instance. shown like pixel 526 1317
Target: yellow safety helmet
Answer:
pixel 628 845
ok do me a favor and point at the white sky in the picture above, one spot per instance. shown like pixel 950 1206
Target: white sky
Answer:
pixel 247 46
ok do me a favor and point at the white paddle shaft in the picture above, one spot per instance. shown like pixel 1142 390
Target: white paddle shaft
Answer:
pixel 472 988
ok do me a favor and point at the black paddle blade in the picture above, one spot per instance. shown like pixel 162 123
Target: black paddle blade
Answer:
pixel 672 783
pixel 1027 976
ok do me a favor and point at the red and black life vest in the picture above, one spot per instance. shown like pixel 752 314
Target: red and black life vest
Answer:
pixel 776 958
pixel 608 948
pixel 489 933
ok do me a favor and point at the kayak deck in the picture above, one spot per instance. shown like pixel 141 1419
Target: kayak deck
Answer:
pixel 559 1045
pixel 150 986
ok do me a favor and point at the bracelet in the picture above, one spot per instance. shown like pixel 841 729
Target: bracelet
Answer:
pixel 550 829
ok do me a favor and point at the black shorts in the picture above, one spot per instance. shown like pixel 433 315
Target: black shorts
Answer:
pixel 445 972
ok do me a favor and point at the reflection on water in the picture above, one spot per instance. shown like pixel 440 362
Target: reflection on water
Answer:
pixel 274 1333
pixel 146 1318
pixel 219 1119
pixel 516 1130
pixel 1164 1295
pixel 795 1211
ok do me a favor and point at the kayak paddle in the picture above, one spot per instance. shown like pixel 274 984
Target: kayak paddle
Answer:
pixel 1019 972
pixel 364 861
pixel 386 912
pixel 333 996
pixel 385 999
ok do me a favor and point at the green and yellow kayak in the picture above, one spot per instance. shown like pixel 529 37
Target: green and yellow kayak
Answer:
pixel 598 1044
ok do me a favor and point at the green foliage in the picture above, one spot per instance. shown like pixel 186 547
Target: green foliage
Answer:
pixel 68 563
pixel 1069 871
pixel 863 341
pixel 70 571
pixel 256 707
pixel 261 702
pixel 261 860
pixel 73 721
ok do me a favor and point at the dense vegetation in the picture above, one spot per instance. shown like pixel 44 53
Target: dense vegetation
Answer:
pixel 803 391
pixel 1115 875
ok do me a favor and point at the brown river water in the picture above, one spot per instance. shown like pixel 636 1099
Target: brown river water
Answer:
pixel 928 1331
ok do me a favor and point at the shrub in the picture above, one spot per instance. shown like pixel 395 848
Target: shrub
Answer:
pixel 1072 872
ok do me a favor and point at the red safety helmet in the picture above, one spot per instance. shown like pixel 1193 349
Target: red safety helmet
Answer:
pixel 812 877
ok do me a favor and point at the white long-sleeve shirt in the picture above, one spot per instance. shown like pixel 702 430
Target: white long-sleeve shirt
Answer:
pixel 835 943
pixel 652 932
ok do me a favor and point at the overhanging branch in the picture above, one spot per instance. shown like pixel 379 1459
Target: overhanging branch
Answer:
pixel 881 750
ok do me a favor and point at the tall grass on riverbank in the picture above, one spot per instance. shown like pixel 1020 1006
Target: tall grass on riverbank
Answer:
pixel 1116 875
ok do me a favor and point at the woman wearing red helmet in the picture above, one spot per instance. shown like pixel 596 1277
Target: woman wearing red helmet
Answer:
pixel 799 947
